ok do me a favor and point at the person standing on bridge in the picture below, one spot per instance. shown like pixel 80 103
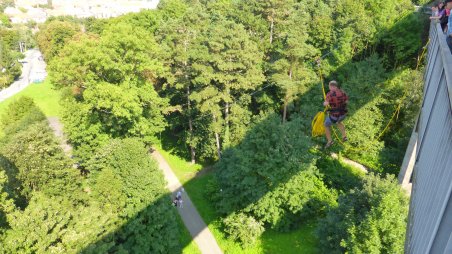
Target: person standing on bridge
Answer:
pixel 449 26
pixel 336 100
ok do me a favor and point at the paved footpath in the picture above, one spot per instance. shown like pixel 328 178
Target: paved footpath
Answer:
pixel 57 128
pixel 33 68
pixel 190 216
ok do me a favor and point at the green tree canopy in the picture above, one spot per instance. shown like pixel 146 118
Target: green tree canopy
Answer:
pixel 112 80
pixel 227 64
pixel 54 35
pixel 128 183
pixel 271 176
pixel 371 219
pixel 10 68
pixel 40 161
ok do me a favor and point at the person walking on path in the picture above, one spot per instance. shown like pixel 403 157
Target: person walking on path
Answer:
pixel 336 100
pixel 178 200
pixel 181 203
pixel 178 195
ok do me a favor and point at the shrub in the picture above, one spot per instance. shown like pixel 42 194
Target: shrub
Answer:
pixel 242 228
pixel 371 219
pixel 20 114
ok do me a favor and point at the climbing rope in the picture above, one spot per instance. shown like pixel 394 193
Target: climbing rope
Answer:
pixel 317 124
pixel 318 129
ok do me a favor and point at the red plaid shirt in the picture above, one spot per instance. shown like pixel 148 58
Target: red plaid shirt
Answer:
pixel 336 100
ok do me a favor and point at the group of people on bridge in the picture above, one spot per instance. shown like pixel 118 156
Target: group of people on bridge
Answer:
pixel 441 12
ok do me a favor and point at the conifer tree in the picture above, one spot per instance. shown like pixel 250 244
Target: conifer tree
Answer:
pixel 227 64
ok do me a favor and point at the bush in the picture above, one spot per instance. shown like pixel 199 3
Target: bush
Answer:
pixel 371 219
pixel 19 115
pixel 242 228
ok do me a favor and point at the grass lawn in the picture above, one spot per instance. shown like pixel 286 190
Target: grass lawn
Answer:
pixel 45 96
pixel 184 170
pixel 297 241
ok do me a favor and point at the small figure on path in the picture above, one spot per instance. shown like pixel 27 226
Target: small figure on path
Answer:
pixel 337 101
pixel 175 202
pixel 178 200
pixel 178 195
pixel 181 203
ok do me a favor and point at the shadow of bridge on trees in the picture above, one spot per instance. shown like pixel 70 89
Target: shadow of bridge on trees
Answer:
pixel 364 83
pixel 376 85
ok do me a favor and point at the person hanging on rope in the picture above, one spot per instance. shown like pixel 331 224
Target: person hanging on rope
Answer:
pixel 336 101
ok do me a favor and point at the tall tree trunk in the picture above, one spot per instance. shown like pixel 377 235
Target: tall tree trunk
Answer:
pixel 226 113
pixel 190 127
pixel 190 121
pixel 226 106
pixel 286 98
pixel 226 138
pixel 285 110
pixel 272 24
pixel 217 139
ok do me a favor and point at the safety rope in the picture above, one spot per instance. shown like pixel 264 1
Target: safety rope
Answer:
pixel 396 113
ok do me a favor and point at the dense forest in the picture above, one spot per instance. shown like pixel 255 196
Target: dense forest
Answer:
pixel 233 84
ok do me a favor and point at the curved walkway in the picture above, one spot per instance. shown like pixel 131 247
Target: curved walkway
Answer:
pixel 190 216
pixel 33 68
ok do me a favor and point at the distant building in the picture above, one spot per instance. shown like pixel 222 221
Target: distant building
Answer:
pixel 76 8
pixel 16 16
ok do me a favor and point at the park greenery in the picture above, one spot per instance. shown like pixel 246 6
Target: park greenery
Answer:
pixel 234 85
pixel 10 36
pixel 46 201
pixel 10 68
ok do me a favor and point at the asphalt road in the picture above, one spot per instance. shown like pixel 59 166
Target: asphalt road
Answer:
pixel 33 68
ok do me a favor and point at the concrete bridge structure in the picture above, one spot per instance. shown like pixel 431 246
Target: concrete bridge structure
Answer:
pixel 427 168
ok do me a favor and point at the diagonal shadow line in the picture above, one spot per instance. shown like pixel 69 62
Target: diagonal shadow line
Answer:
pixel 310 96
pixel 198 229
